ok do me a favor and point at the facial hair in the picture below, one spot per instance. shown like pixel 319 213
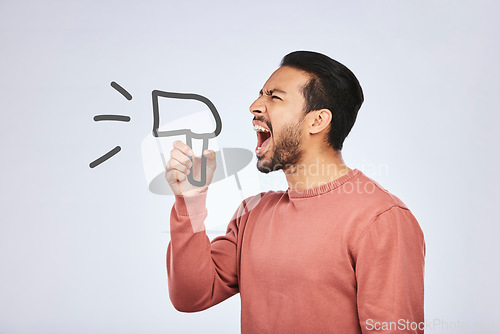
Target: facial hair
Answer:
pixel 287 150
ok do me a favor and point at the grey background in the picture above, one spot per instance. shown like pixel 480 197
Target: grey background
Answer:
pixel 83 250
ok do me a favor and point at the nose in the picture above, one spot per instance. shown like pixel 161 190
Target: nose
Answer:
pixel 258 107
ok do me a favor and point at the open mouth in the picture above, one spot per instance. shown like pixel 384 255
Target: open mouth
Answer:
pixel 263 137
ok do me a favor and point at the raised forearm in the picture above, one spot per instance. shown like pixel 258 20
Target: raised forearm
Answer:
pixel 200 273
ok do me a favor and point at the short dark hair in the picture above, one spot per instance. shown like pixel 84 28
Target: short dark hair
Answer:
pixel 332 86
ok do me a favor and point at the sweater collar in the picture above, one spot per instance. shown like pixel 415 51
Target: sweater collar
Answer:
pixel 324 188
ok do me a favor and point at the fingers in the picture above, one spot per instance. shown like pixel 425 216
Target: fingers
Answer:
pixel 180 161
pixel 178 167
pixel 211 159
pixel 183 148
pixel 175 176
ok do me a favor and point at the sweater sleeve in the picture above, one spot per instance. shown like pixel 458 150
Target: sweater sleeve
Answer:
pixel 389 264
pixel 200 273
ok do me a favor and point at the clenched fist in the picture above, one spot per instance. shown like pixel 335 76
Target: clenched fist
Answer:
pixel 179 167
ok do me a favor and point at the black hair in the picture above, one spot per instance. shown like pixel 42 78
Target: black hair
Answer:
pixel 331 86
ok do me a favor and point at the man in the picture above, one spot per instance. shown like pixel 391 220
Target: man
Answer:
pixel 335 253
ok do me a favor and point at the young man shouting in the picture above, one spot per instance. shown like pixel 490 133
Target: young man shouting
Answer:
pixel 335 253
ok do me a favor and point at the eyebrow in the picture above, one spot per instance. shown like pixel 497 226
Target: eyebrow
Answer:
pixel 271 92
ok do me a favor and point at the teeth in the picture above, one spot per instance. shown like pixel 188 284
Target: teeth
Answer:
pixel 260 128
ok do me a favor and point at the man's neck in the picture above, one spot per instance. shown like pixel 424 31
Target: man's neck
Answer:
pixel 314 171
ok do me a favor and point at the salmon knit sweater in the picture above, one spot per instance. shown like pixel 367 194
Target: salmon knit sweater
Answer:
pixel 346 257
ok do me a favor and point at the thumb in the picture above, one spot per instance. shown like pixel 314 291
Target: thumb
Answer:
pixel 211 161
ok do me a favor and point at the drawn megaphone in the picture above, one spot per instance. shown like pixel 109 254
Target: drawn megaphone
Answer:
pixel 187 132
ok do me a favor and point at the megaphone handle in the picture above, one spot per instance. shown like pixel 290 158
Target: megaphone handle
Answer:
pixel 203 167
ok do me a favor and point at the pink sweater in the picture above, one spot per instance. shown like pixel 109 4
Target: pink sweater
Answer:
pixel 346 257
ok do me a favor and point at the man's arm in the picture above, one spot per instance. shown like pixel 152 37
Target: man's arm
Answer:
pixel 389 268
pixel 200 273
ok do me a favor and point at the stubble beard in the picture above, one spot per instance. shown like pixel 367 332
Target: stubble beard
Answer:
pixel 287 151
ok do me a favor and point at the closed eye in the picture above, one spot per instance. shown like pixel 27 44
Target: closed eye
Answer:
pixel 276 97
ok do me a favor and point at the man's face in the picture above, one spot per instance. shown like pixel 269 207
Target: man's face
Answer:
pixel 278 115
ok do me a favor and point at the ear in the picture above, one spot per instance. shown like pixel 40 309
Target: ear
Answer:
pixel 318 120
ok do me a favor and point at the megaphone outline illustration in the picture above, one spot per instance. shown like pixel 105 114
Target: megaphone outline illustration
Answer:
pixel 156 94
